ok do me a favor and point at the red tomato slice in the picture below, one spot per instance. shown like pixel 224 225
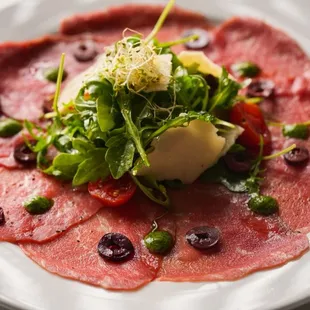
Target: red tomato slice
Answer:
pixel 111 192
pixel 250 118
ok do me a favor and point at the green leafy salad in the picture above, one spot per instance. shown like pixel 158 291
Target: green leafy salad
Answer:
pixel 139 91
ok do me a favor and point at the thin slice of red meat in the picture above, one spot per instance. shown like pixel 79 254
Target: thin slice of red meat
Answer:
pixel 107 24
pixel 71 206
pixel 289 184
pixel 248 243
pixel 129 16
pixel 7 146
pixel 74 255
pixel 279 56
pixel 23 89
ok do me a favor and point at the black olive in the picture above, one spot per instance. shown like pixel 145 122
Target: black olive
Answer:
pixel 203 237
pixel 261 88
pixel 115 247
pixel 85 51
pixel 297 156
pixel 238 162
pixel 202 41
pixel 24 155
pixel 2 218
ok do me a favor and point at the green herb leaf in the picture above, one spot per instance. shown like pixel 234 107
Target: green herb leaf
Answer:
pixel 65 165
pixel 225 94
pixel 105 112
pixel 153 190
pixel 120 156
pixel 82 145
pixel 132 130
pixel 92 168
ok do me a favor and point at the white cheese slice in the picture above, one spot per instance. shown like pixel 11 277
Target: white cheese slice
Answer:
pixel 184 152
pixel 204 64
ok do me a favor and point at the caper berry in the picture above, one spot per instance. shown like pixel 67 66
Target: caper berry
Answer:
pixel 38 205
pixel 264 205
pixel 159 242
pixel 9 127
pixel 51 74
pixel 245 69
pixel 299 131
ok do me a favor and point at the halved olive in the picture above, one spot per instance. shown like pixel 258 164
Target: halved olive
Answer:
pixel 24 155
pixel 85 51
pixel 238 162
pixel 261 88
pixel 203 237
pixel 115 247
pixel 2 218
pixel 202 41
pixel 297 156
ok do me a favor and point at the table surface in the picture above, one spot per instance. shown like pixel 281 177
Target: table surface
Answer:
pixel 4 3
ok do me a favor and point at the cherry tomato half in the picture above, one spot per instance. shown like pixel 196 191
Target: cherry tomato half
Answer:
pixel 111 192
pixel 250 118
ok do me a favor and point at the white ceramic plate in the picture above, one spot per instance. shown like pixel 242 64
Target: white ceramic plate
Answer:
pixel 24 285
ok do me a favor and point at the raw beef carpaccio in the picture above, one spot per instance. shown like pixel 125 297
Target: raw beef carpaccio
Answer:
pixel 248 242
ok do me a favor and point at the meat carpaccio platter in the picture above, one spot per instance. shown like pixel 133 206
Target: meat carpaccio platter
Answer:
pixel 155 148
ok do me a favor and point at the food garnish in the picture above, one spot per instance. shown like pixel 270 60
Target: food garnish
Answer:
pixel 38 205
pixel 9 127
pixel 115 247
pixel 148 116
pixel 51 74
pixel 159 242
pixel 203 237
pixel 299 131
pixel 260 88
pixel 201 41
pixel 246 69
pixel 24 154
pixel 297 156
pixel 264 205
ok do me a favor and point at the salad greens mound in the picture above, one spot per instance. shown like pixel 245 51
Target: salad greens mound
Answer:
pixel 139 91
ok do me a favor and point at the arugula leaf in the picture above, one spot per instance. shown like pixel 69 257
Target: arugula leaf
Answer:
pixel 65 165
pixel 120 156
pixel 92 168
pixel 132 130
pixel 181 121
pixel 153 190
pixel 225 94
pixel 82 145
pixel 105 112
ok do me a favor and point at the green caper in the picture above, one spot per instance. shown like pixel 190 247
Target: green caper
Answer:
pixel 159 242
pixel 38 205
pixel 299 131
pixel 264 205
pixel 9 127
pixel 51 74
pixel 245 69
